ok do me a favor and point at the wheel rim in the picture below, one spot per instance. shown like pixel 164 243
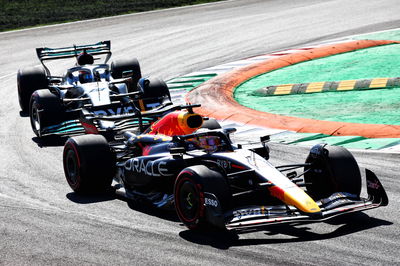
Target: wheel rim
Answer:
pixel 35 118
pixel 188 201
pixel 72 168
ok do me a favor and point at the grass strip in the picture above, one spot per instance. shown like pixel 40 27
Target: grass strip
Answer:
pixel 16 14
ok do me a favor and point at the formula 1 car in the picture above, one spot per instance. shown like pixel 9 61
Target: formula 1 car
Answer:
pixel 77 101
pixel 179 162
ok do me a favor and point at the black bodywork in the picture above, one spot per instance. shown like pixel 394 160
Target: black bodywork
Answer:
pixel 230 187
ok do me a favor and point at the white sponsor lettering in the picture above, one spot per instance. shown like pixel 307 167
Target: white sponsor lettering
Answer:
pixel 224 164
pixel 150 168
pixel 100 113
pixel 211 202
pixel 162 170
pixel 118 111
pixel 251 212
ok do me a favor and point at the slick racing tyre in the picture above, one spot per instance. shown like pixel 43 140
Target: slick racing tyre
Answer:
pixel 45 110
pixel 28 80
pixel 118 68
pixel 89 164
pixel 334 170
pixel 155 92
pixel 190 200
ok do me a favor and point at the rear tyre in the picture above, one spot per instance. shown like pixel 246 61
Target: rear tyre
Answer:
pixel 118 68
pixel 28 80
pixel 189 195
pixel 45 110
pixel 335 170
pixel 89 164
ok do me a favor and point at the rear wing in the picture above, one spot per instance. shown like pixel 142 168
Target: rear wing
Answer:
pixel 46 53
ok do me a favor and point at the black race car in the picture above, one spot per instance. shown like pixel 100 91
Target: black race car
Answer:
pixel 188 163
pixel 77 101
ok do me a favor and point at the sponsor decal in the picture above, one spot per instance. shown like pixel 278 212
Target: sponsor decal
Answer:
pixel 238 167
pixel 373 185
pixel 211 202
pixel 251 212
pixel 117 111
pixel 224 164
pixel 310 205
pixel 150 168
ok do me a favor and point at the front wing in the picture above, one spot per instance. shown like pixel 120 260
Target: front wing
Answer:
pixel 337 204
pixel 74 127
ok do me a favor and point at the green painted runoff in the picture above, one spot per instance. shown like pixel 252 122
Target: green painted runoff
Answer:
pixel 370 106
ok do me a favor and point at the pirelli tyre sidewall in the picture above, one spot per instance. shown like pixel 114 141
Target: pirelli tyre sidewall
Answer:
pixel 190 190
pixel 89 164
pixel 333 169
pixel 28 80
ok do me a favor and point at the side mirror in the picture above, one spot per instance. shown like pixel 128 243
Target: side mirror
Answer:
pixel 229 130
pixel 266 150
pixel 264 139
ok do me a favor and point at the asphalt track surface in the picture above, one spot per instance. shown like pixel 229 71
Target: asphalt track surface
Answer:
pixel 42 222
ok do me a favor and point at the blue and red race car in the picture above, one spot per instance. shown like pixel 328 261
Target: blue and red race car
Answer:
pixel 188 163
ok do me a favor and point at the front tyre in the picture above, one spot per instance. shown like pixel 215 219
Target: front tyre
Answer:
pixel 45 110
pixel 155 92
pixel 118 68
pixel 190 190
pixel 89 164
pixel 333 169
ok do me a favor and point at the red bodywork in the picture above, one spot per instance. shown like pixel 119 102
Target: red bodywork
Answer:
pixel 176 123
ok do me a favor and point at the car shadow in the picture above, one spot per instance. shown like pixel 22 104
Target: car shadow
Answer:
pixel 147 208
pixel 135 205
pixel 346 225
pixel 88 199
pixel 50 141
pixel 143 207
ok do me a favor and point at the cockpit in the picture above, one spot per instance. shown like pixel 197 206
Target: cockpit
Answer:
pixel 209 142
pixel 87 74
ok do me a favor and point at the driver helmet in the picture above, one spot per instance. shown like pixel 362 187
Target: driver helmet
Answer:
pixel 209 143
pixel 85 77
